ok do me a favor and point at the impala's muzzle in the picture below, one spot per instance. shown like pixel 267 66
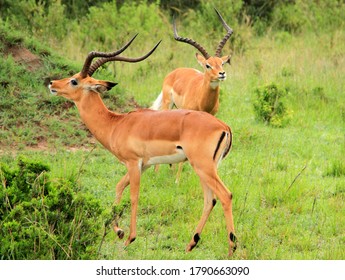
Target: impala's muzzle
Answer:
pixel 222 76
pixel 52 91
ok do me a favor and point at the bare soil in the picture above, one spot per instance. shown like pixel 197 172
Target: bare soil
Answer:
pixel 25 57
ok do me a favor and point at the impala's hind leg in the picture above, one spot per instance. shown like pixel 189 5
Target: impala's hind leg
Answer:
pixel 209 202
pixel 120 187
pixel 210 178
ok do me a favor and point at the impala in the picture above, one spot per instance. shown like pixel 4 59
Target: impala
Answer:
pixel 188 88
pixel 146 137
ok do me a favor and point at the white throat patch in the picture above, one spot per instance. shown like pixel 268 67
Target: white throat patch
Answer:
pixel 214 84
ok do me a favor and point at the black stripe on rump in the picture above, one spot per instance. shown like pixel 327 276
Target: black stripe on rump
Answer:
pixel 218 145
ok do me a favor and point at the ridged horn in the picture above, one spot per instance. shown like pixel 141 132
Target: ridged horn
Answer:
pixel 190 42
pixel 103 60
pixel 85 70
pixel 227 35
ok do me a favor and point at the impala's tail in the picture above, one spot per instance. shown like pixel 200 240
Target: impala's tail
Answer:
pixel 157 104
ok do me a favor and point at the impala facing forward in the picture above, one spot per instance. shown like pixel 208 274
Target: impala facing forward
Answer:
pixel 188 88
pixel 142 138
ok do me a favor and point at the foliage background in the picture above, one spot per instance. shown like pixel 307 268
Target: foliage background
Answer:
pixel 288 183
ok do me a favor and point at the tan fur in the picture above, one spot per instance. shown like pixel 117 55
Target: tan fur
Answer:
pixel 188 88
pixel 140 136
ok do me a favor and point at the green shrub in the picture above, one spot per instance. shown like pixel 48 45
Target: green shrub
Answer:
pixel 42 218
pixel 269 106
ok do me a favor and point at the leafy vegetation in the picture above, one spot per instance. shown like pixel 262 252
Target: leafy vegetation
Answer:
pixel 287 181
pixel 269 106
pixel 45 219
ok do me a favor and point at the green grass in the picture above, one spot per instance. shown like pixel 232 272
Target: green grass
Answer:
pixel 288 183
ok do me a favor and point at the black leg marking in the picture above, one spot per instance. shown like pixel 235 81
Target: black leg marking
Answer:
pixel 196 240
pixel 132 240
pixel 233 239
pixel 214 201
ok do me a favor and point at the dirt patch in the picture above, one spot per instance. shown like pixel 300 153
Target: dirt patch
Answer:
pixel 23 56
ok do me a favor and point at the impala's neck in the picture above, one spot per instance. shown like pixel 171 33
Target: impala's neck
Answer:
pixel 210 95
pixel 97 118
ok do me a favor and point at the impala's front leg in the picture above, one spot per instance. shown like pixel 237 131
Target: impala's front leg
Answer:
pixel 124 182
pixel 120 187
pixel 134 172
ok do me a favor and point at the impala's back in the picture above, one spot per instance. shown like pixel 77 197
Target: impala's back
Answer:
pixel 159 137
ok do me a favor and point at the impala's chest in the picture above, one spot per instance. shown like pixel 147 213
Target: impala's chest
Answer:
pixel 208 102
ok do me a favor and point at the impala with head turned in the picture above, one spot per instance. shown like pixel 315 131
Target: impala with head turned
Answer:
pixel 146 137
pixel 188 88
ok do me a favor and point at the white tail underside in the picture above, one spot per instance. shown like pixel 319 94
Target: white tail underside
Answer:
pixel 158 102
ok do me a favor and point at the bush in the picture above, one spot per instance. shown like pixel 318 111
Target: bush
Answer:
pixel 269 106
pixel 43 218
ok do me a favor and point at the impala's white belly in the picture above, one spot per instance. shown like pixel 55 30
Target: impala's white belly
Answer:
pixel 174 158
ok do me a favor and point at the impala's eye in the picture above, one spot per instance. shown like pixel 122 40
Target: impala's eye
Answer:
pixel 74 82
pixel 208 66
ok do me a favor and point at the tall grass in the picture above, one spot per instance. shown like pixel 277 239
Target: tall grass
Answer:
pixel 288 183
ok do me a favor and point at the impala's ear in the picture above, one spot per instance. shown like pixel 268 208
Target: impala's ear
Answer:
pixel 103 87
pixel 200 59
pixel 226 59
pixel 110 85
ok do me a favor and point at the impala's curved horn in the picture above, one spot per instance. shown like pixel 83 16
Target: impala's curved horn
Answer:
pixel 103 60
pixel 85 71
pixel 227 35
pixel 190 42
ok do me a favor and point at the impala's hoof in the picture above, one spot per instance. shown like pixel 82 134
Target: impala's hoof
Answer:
pixel 120 233
pixel 129 241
